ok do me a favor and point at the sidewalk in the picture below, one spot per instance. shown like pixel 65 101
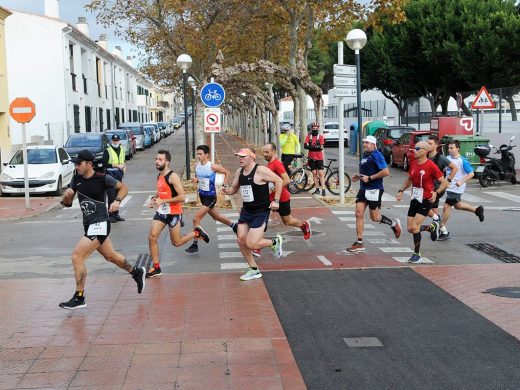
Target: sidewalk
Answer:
pixel 13 208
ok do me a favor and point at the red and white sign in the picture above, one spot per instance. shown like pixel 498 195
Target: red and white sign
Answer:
pixel 483 100
pixel 22 110
pixel 212 120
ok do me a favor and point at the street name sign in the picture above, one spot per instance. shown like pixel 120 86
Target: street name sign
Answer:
pixel 212 120
pixel 345 92
pixel 344 70
pixel 342 81
pixel 212 94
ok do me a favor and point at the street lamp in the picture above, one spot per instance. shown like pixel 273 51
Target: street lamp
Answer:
pixel 356 40
pixel 191 81
pixel 184 63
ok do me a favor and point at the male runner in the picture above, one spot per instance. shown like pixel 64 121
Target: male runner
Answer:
pixel 205 173
pixel 252 180
pixel 91 188
pixel 168 201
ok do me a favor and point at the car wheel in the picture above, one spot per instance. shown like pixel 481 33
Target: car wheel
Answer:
pixel 405 164
pixel 59 187
pixel 392 161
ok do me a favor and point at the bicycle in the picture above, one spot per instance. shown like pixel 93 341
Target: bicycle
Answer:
pixel 302 178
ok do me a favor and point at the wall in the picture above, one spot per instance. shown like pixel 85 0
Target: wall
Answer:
pixel 5 139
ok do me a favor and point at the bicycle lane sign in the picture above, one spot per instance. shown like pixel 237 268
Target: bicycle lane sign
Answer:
pixel 212 95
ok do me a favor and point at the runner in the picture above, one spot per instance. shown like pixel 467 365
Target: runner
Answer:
pixel 252 180
pixel 91 188
pixel 314 144
pixel 372 170
pixel 168 201
pixel 422 175
pixel 457 187
pixel 205 173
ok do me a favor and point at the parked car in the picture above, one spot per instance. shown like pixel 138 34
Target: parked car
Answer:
pixel 386 137
pixel 156 131
pixel 49 170
pixel 96 143
pixel 331 133
pixel 404 148
pixel 176 122
pixel 148 136
pixel 165 128
pixel 125 136
pixel 137 130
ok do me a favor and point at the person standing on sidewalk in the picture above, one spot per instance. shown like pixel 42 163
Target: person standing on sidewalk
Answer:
pixel 205 174
pixel 372 170
pixel 115 157
pixel 91 188
pixel 314 144
pixel 252 180
pixel 290 145
pixel 422 176
pixel 457 187
pixel 168 202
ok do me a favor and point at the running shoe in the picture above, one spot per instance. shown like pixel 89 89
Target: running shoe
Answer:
pixel 200 233
pixel 193 248
pixel 234 226
pixel 434 230
pixel 357 246
pixel 444 236
pixel 276 247
pixel 251 274
pixel 306 229
pixel 397 228
pixel 322 192
pixel 139 274
pixel 316 192
pixel 154 272
pixel 415 259
pixel 256 252
pixel 76 302
pixel 480 213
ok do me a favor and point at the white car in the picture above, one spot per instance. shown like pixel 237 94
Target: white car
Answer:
pixel 49 168
pixel 331 133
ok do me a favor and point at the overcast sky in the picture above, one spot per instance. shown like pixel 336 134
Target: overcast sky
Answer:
pixel 70 10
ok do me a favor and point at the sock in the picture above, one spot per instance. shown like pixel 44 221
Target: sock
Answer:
pixel 156 265
pixel 435 217
pixel 386 220
pixel 195 242
pixel 417 242
pixel 360 240
pixel 443 229
pixel 254 268
pixel 79 294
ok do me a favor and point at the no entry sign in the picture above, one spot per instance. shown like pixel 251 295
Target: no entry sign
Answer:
pixel 22 110
pixel 212 120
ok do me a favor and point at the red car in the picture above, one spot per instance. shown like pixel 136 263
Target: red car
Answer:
pixel 404 148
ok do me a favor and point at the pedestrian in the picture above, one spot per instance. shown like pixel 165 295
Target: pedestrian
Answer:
pixel 290 145
pixel 168 202
pixel 205 174
pixel 442 163
pixel 253 182
pixel 457 187
pixel 115 157
pixel 314 143
pixel 422 176
pixel 91 187
pixel 372 170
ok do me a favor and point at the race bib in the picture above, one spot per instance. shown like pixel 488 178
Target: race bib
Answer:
pixel 204 184
pixel 417 193
pixel 97 229
pixel 372 195
pixel 164 208
pixel 271 186
pixel 247 193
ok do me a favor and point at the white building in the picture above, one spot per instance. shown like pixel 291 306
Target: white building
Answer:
pixel 75 83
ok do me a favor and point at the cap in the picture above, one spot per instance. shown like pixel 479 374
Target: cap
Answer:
pixel 245 152
pixel 115 137
pixel 84 155
pixel 371 139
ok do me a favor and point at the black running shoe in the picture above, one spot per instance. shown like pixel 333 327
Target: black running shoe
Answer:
pixel 444 236
pixel 139 274
pixel 154 272
pixel 480 213
pixel 76 302
pixel 200 233
pixel 434 230
pixel 194 248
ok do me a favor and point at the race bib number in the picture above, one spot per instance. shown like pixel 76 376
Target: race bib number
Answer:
pixel 247 193
pixel 417 193
pixel 372 195
pixel 271 186
pixel 97 229
pixel 164 208
pixel 204 184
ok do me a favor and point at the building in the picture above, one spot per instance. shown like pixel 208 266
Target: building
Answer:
pixel 5 139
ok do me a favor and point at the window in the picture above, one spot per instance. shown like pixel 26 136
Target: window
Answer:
pixel 122 115
pixel 84 83
pixel 98 76
pixel 62 154
pixel 100 120
pixel 71 64
pixel 108 120
pixel 117 117
pixel 88 119
pixel 76 118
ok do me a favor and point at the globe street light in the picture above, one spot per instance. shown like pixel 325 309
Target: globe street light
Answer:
pixel 191 81
pixel 184 63
pixel 356 40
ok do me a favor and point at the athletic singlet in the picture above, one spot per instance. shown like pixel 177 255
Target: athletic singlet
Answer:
pixel 91 196
pixel 206 177
pixel 255 197
pixel 166 191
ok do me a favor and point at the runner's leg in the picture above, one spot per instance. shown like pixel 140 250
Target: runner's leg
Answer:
pixel 155 230
pixel 80 254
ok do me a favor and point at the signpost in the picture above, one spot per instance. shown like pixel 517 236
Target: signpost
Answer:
pixel 482 101
pixel 22 110
pixel 212 96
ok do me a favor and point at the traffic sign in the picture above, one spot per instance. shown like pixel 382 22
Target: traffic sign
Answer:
pixel 22 110
pixel 212 120
pixel 342 81
pixel 212 94
pixel 344 70
pixel 345 92
pixel 483 100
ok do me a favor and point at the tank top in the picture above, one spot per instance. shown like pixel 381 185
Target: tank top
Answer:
pixel 255 197
pixel 206 177
pixel 167 191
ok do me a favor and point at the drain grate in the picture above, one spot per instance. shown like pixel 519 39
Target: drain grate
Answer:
pixel 363 342
pixel 144 260
pixel 495 252
pixel 506 292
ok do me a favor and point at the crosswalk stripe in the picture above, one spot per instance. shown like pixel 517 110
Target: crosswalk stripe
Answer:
pixel 388 198
pixel 395 249
pixel 382 241
pixel 474 199
pixel 233 266
pixel 424 260
pixel 505 195
pixel 231 215
pixel 226 237
pixel 348 212
pixel 227 255
pixel 347 219
pixel 324 260
pixel 367 226
pixel 227 245
pixel 222 229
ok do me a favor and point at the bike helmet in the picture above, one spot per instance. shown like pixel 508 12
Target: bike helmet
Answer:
pixel 315 126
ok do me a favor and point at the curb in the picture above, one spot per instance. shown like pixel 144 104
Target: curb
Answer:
pixel 32 214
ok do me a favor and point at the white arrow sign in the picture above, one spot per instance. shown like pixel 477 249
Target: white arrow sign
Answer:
pixel 344 70
pixel 345 92
pixel 315 220
pixel 342 81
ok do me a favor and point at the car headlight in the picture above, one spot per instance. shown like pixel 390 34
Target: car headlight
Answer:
pixel 5 176
pixel 48 175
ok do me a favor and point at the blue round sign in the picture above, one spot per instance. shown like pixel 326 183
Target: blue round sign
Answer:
pixel 212 94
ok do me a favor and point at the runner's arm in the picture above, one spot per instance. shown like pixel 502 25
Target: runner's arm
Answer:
pixel 234 186
pixel 177 184
pixel 286 179
pixel 220 169
pixel 122 191
pixel 68 197
pixel 269 176
pixel 404 187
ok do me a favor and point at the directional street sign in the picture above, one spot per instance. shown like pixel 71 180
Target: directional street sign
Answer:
pixel 22 110
pixel 483 100
pixel 212 95
pixel 345 92
pixel 344 70
pixel 342 81
pixel 212 120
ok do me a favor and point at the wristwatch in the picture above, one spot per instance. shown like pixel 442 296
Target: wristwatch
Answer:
pixel 449 180
pixel 276 200
pixel 118 199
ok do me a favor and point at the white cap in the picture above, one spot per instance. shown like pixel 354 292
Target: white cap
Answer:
pixel 371 139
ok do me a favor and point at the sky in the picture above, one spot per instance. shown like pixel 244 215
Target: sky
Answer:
pixel 70 10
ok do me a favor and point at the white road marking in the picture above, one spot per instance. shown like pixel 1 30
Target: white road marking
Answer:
pixel 226 237
pixel 227 245
pixel 223 229
pixel 382 241
pixel 233 266
pixel 227 255
pixel 324 260
pixel 142 192
pixel 367 226
pixel 504 195
pixel 348 212
pixel 231 215
pixel 125 201
pixel 374 234
pixel 347 219
pixel 474 199
pixel 388 198
pixel 424 260
pixel 394 249
pixel 147 201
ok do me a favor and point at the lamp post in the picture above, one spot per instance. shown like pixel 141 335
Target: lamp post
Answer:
pixel 356 40
pixel 184 63
pixel 191 81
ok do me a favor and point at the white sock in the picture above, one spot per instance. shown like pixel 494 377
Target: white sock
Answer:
pixel 444 230
pixel 435 217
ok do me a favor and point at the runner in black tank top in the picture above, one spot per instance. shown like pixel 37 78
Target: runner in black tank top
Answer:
pixel 260 193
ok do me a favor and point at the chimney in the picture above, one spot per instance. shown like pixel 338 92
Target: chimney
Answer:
pixel 103 41
pixel 52 9
pixel 82 25
pixel 129 61
pixel 117 51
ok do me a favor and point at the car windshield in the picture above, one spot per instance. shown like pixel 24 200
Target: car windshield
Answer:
pixel 421 137
pixel 121 134
pixel 84 140
pixel 137 130
pixel 396 133
pixel 35 156
pixel 330 126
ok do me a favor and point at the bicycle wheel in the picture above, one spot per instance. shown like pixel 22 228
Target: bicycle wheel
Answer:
pixel 298 181
pixel 310 180
pixel 332 182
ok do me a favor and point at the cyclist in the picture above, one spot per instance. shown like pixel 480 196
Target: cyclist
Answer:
pixel 314 144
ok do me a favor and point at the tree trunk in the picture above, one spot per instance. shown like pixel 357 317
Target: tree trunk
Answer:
pixel 296 113
pixel 512 107
pixel 302 97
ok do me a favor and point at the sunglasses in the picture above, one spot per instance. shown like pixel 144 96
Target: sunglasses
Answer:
pixel 418 148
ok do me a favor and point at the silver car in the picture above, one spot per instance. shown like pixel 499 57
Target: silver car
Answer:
pixel 137 129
